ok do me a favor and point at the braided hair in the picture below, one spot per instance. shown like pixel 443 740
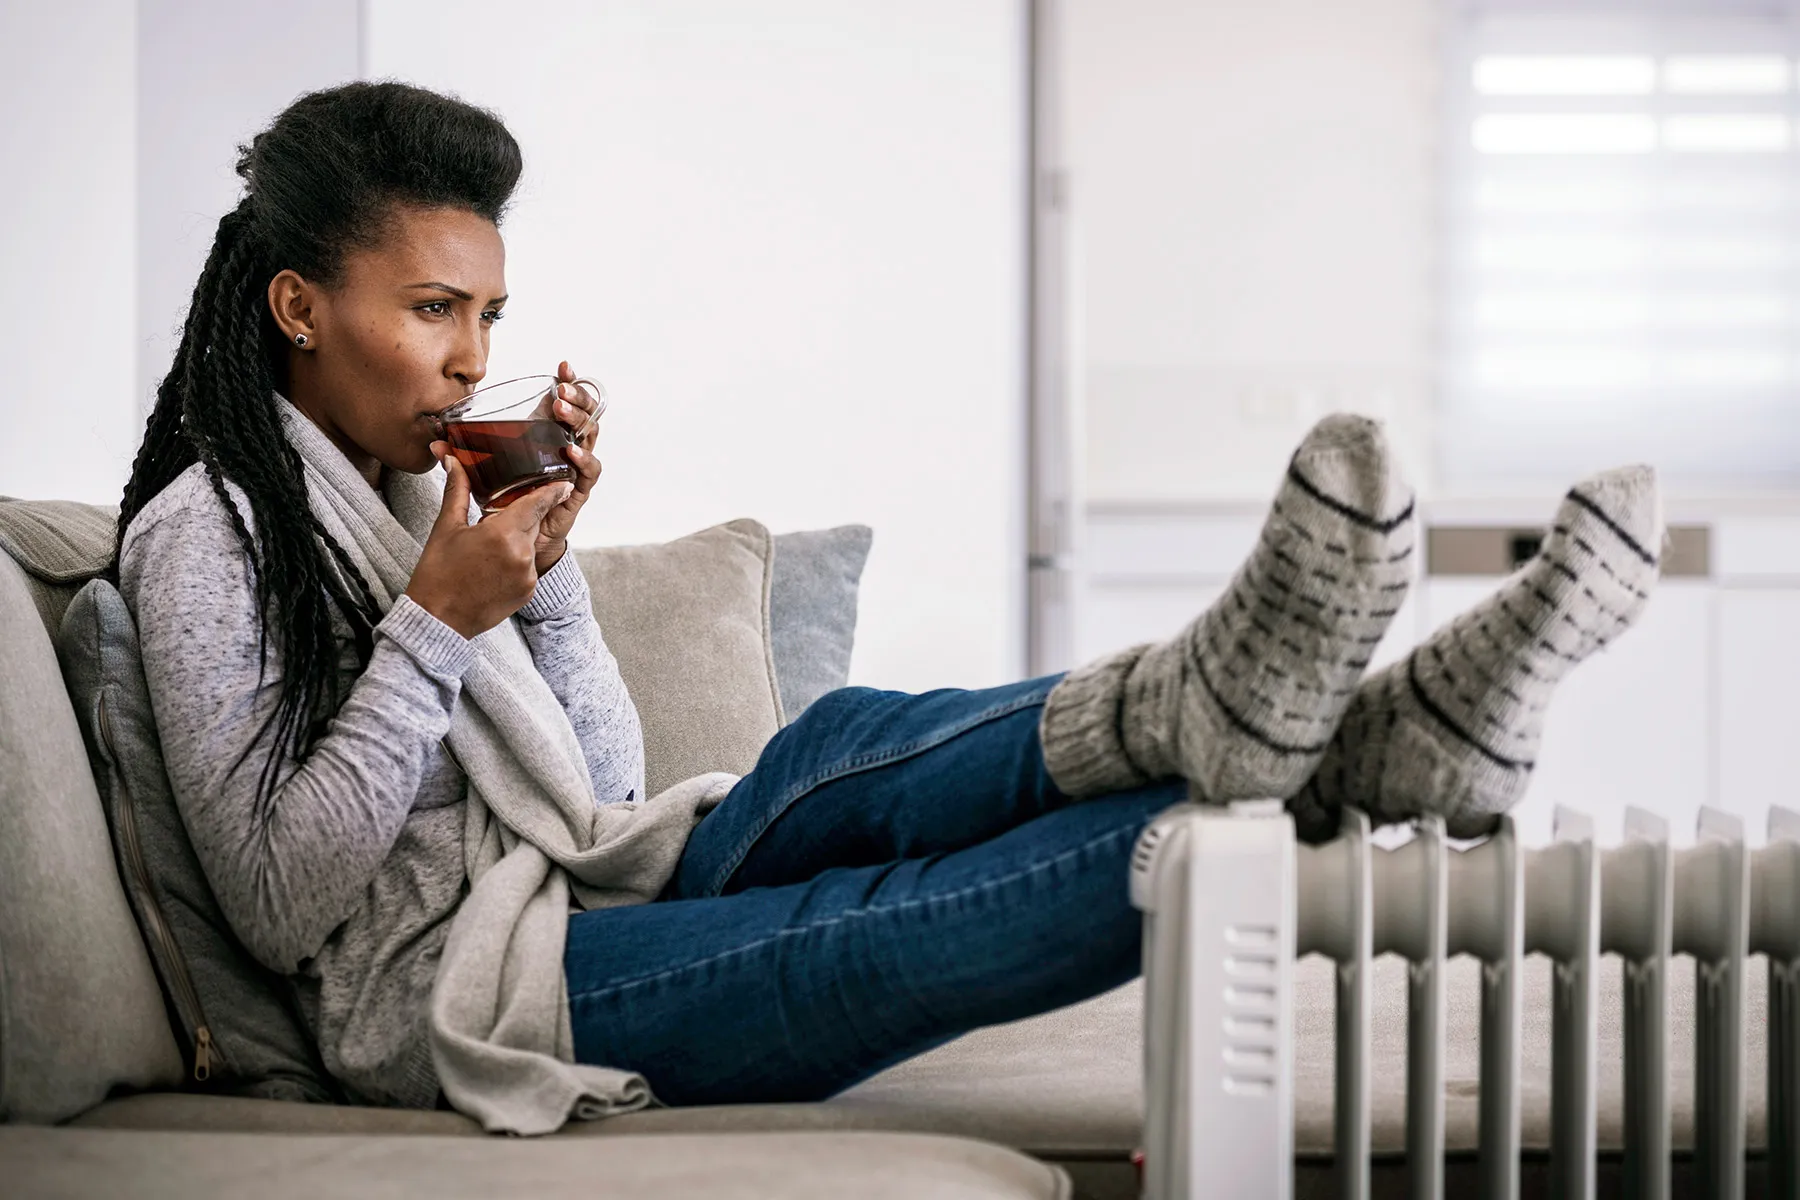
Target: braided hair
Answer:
pixel 322 180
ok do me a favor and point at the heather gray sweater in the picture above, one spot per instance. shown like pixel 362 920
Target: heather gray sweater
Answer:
pixel 350 885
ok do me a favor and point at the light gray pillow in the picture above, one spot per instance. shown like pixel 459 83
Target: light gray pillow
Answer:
pixel 61 544
pixel 79 1009
pixel 235 1018
pixel 812 612
pixel 688 621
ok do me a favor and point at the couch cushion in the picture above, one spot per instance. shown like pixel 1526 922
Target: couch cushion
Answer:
pixel 61 545
pixel 80 1012
pixel 688 621
pixel 1069 1081
pixel 1064 1084
pixel 240 1030
pixel 823 1166
pixel 812 610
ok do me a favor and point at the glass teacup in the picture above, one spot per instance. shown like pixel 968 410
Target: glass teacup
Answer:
pixel 508 439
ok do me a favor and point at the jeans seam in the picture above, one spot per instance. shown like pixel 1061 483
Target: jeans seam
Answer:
pixel 856 765
pixel 877 910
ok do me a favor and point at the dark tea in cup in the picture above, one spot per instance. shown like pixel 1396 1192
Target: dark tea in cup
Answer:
pixel 506 459
pixel 508 441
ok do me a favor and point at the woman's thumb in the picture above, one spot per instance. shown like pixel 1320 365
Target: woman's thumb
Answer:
pixel 456 492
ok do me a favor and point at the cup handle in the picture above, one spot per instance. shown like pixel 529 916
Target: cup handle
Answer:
pixel 599 394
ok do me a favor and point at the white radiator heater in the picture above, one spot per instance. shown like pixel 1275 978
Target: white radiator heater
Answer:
pixel 1231 899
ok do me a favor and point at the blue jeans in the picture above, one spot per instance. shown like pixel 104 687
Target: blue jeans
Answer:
pixel 896 871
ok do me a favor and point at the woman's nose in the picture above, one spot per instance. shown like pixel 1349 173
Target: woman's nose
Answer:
pixel 468 369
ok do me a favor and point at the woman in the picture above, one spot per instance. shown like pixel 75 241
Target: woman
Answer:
pixel 414 777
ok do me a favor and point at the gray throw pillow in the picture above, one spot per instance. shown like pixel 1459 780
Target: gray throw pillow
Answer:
pixel 241 1032
pixel 812 610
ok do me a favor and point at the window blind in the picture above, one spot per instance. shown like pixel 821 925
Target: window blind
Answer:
pixel 1622 269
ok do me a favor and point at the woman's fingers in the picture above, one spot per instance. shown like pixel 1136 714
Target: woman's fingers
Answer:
pixel 576 396
pixel 530 512
pixel 572 403
pixel 587 469
pixel 587 473
pixel 575 408
pixel 560 519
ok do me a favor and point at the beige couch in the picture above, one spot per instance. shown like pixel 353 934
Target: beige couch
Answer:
pixel 1052 1106
pixel 96 1098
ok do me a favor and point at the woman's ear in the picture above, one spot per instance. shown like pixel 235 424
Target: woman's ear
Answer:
pixel 291 301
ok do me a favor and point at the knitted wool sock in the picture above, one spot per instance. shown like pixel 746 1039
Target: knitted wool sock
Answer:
pixel 1244 700
pixel 1454 727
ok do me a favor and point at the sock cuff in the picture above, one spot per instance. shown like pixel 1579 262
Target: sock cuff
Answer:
pixel 1081 728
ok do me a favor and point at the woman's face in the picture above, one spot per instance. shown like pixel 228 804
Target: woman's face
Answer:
pixel 402 335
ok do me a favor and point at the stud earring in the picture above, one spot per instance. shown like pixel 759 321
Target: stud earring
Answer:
pixel 299 339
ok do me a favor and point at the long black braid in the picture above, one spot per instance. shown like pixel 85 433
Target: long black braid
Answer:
pixel 321 180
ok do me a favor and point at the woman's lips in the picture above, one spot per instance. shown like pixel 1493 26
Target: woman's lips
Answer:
pixel 433 426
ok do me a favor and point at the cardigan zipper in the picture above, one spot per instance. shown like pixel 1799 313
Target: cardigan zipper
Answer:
pixel 187 999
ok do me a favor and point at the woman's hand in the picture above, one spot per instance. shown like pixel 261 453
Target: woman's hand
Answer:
pixel 571 407
pixel 472 577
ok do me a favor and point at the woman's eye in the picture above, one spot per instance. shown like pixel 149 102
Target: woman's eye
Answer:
pixel 492 315
pixel 437 308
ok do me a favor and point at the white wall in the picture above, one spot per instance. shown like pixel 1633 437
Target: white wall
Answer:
pixel 125 122
pixel 66 249
pixel 789 238
pixel 1253 189
pixel 211 73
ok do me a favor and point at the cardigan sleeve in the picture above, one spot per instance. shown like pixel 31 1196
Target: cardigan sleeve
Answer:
pixel 572 656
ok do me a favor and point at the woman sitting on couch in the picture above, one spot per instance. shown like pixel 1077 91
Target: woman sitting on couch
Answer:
pixel 414 778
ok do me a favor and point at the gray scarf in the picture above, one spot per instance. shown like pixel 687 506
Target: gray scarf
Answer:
pixel 535 844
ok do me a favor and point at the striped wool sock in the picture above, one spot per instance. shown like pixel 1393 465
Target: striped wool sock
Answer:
pixel 1243 701
pixel 1454 727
